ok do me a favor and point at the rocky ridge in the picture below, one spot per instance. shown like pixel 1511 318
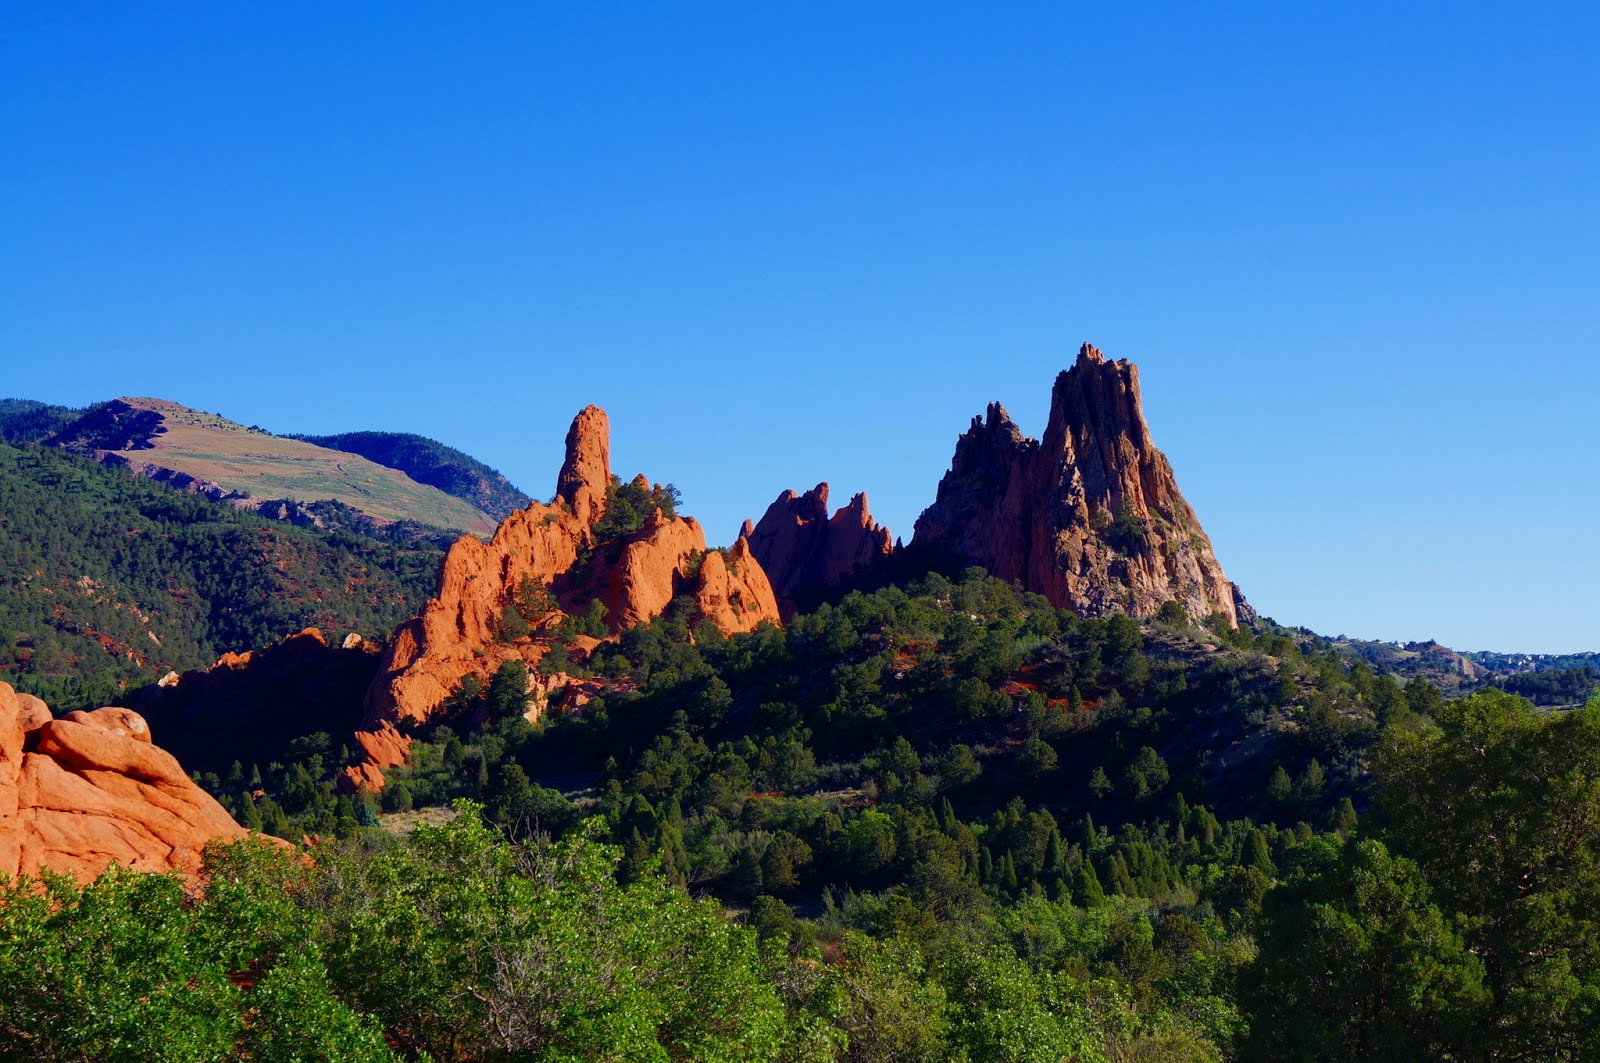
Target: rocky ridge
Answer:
pixel 805 551
pixel 554 548
pixel 1090 516
pixel 89 790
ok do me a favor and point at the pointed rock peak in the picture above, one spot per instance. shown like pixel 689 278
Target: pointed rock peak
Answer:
pixel 586 472
pixel 1097 401
pixel 804 550
pixel 855 512
pixel 741 545
pixel 747 529
pixel 995 421
pixel 1044 513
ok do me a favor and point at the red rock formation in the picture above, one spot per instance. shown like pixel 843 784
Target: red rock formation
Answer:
pixel 733 592
pixel 586 472
pixel 803 550
pixel 651 568
pixel 636 577
pixel 87 791
pixel 1091 517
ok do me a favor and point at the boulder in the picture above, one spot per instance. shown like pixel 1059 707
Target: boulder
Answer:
pixel 90 790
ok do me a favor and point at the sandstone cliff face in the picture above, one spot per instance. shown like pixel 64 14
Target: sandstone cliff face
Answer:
pixel 636 577
pixel 803 550
pixel 88 790
pixel 1090 516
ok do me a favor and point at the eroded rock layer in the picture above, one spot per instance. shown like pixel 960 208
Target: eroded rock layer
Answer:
pixel 87 791
pixel 1090 516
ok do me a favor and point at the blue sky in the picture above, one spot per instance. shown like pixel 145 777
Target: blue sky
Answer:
pixel 1354 249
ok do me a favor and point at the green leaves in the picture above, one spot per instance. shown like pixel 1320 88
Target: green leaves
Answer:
pixel 129 967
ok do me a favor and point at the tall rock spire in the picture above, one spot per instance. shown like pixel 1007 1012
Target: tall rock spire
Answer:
pixel 1091 516
pixel 586 471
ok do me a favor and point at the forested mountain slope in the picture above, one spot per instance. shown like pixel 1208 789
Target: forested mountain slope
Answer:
pixel 108 580
pixel 944 821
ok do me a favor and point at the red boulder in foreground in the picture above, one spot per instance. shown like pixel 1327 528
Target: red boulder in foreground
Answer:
pixel 89 790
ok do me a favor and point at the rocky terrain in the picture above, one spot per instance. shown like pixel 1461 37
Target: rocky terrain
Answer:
pixel 1090 516
pixel 552 551
pixel 88 790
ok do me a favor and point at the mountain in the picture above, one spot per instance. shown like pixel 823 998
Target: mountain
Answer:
pixel 29 421
pixel 251 468
pixel 1090 516
pixel 927 818
pixel 428 461
pixel 108 580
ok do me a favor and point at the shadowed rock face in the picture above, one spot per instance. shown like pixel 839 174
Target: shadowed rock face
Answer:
pixel 87 791
pixel 457 634
pixel 1090 516
pixel 803 550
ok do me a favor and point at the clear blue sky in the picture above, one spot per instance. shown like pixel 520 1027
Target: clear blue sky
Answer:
pixel 1355 250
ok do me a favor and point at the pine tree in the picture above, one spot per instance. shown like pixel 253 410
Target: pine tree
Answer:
pixel 1344 817
pixel 1086 890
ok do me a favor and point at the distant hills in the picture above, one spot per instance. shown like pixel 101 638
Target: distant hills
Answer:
pixel 30 421
pixel 213 456
pixel 430 462
pixel 391 485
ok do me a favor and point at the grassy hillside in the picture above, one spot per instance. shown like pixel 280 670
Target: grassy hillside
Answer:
pixel 108 580
pixel 250 461
pixel 430 462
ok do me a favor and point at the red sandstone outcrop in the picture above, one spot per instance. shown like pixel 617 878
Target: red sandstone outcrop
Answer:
pixel 382 747
pixel 1091 516
pixel 636 577
pixel 87 791
pixel 803 550
pixel 733 592
pixel 586 473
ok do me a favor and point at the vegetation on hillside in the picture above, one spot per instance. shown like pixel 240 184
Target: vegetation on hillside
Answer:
pixel 430 462
pixel 961 824
pixel 177 442
pixel 107 580
pixel 31 421
pixel 937 821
